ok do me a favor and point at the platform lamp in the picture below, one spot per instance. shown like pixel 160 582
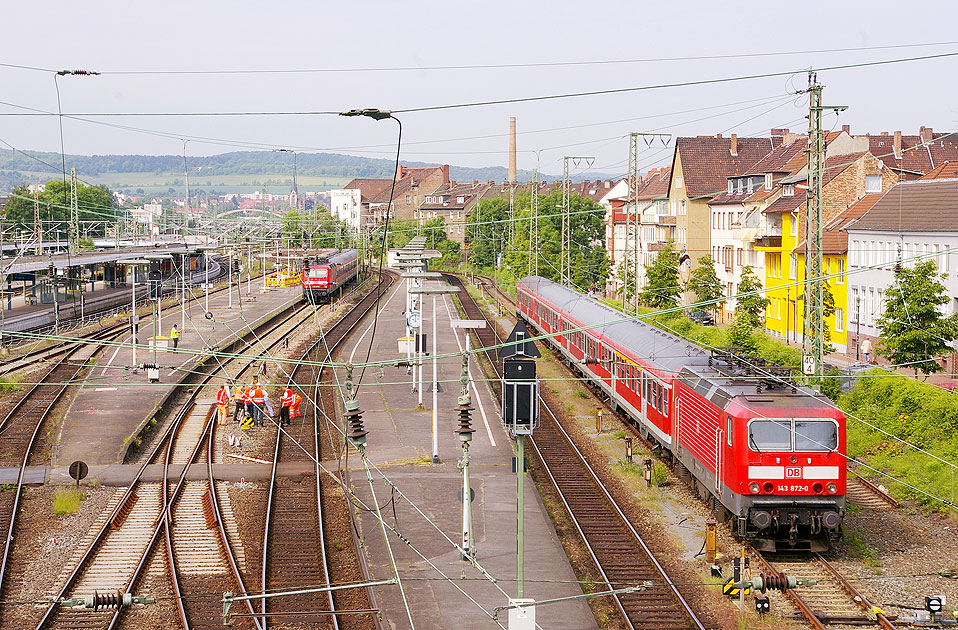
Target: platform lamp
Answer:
pixel 434 291
pixel 134 318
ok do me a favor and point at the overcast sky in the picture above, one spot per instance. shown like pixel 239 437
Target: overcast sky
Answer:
pixel 112 36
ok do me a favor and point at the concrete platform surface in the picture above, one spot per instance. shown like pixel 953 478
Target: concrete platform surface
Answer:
pixel 114 402
pixel 400 444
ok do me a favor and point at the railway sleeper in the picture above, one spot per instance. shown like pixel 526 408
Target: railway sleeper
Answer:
pixel 124 511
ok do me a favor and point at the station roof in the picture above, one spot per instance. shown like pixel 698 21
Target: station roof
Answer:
pixel 30 264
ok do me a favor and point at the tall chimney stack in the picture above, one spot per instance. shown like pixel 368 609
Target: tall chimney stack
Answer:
pixel 512 149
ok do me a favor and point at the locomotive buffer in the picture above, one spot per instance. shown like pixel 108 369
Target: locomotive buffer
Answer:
pixel 520 415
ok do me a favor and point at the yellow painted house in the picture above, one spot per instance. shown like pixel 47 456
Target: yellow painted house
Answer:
pixel 852 183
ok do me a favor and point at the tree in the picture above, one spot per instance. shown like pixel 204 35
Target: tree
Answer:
pixel 95 203
pixel 662 288
pixel 486 229
pixel 751 308
pixel 626 280
pixel 913 330
pixel 705 283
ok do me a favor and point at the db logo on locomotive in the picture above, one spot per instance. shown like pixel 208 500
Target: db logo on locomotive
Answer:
pixel 793 473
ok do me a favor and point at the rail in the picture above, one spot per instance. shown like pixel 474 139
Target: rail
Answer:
pixel 296 523
pixel 602 525
pixel 129 496
pixel 39 401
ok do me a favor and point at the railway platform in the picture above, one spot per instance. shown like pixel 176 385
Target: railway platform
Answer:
pixel 115 402
pixel 400 445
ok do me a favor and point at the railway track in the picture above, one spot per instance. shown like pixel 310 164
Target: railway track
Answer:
pixel 833 600
pixel 118 553
pixel 864 493
pixel 620 554
pixel 295 547
pixel 20 432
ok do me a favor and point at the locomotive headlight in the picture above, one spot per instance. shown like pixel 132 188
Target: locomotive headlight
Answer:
pixel 832 488
pixel 753 487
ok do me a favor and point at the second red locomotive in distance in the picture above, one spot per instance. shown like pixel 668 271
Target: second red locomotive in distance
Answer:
pixel 324 275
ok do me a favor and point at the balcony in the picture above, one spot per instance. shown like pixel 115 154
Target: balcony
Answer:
pixel 768 240
pixel 666 219
pixel 655 247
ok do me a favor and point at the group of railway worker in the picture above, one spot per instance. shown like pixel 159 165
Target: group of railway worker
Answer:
pixel 253 404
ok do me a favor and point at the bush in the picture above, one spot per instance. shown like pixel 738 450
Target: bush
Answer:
pixel 660 475
pixel 919 413
pixel 67 501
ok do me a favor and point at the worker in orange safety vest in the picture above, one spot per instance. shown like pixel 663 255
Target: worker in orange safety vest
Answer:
pixel 239 397
pixel 285 404
pixel 257 397
pixel 222 403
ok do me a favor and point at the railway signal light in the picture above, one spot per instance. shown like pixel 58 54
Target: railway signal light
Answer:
pixel 762 605
pixel 934 604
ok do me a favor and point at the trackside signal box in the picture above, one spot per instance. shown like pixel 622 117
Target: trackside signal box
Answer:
pixel 520 396
pixel 520 387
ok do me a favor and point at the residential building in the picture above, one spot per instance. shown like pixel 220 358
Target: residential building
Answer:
pixel 700 170
pixel 351 204
pixel 371 206
pixel 847 178
pixel 454 203
pixel 913 156
pixel 911 222
pixel 737 213
pixel 412 186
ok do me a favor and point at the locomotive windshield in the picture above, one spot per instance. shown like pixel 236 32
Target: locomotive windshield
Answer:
pixel 318 273
pixel 790 434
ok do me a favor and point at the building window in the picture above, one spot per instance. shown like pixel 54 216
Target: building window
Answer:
pixel 793 227
pixel 679 182
pixel 731 187
pixel 788 190
pixel 854 253
pixel 749 186
pixel 793 266
pixel 872 183
pixel 408 199
pixel 768 181
pixel 841 271
pixel 839 320
pixel 739 188
pixel 682 207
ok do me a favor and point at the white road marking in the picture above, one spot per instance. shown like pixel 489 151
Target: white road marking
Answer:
pixel 112 357
pixel 105 389
pixel 174 370
pixel 482 409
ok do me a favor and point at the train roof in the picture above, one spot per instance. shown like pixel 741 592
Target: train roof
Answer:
pixel 700 370
pixel 663 350
pixel 338 258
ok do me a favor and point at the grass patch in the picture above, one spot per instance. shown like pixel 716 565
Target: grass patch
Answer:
pixel 859 548
pixel 660 475
pixel 578 393
pixel 618 435
pixel 7 386
pixel 67 501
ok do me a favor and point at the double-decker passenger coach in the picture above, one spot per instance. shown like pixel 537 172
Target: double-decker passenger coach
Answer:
pixel 765 453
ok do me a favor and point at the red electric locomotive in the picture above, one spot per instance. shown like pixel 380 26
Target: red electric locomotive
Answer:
pixel 323 275
pixel 767 454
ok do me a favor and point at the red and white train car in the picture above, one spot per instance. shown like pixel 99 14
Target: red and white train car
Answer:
pixel 323 275
pixel 766 453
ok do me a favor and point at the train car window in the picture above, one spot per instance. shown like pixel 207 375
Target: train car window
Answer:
pixel 770 435
pixel 816 435
pixel 655 395
pixel 728 429
pixel 318 273
pixel 665 401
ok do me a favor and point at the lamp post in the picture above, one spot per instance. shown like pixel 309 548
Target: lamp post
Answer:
pixel 434 291
pixel 134 318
